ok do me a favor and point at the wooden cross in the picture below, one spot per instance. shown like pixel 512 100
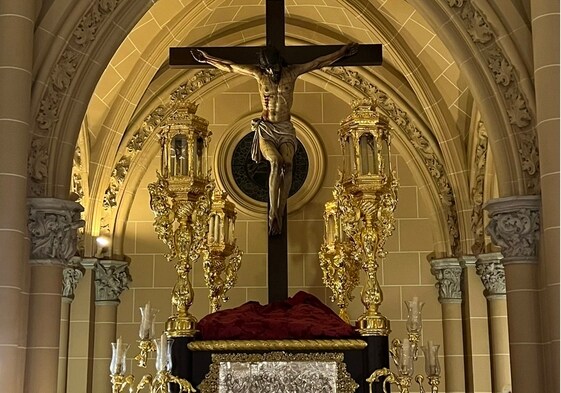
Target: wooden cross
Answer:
pixel 367 55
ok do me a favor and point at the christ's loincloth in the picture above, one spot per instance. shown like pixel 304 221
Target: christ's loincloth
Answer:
pixel 276 133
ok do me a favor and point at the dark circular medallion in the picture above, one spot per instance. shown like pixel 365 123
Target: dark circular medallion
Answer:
pixel 253 178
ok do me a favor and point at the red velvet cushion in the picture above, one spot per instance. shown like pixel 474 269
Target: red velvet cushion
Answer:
pixel 301 317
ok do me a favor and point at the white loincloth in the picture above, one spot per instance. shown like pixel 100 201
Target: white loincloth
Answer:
pixel 277 133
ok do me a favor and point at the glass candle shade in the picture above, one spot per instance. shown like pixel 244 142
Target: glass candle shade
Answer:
pixel 147 320
pixel 118 364
pixel 414 320
pixel 432 365
pixel 405 353
pixel 163 353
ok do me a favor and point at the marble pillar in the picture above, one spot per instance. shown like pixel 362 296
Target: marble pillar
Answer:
pixel 111 279
pixel 491 271
pixel 448 274
pixel 514 225
pixel 52 227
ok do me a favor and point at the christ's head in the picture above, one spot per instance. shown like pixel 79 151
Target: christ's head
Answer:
pixel 271 62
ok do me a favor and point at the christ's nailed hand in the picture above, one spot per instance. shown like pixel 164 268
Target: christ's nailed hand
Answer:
pixel 199 55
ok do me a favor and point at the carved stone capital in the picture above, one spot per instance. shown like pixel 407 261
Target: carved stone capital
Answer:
pixel 53 229
pixel 514 225
pixel 71 275
pixel 448 273
pixel 111 279
pixel 492 272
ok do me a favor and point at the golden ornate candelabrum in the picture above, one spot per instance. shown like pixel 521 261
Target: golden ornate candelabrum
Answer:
pixel 182 202
pixel 160 383
pixel 221 256
pixel 338 256
pixel 365 199
pixel 404 354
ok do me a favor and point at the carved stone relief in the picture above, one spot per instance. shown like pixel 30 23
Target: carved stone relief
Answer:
pixel 514 225
pixel 492 273
pixel 448 274
pixel 59 81
pixel 111 279
pixel 70 278
pixel 505 76
pixel 477 189
pixel 52 226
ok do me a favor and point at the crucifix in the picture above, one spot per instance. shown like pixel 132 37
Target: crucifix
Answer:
pixel 276 72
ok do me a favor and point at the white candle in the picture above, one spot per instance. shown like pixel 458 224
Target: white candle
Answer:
pixel 432 360
pixel 415 305
pixel 119 348
pixel 216 229
pixel 145 322
pixel 119 363
pixel 162 353
pixel 164 347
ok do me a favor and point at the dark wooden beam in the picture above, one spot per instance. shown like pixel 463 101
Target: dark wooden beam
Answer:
pixel 180 57
pixel 277 264
pixel 274 19
pixel 367 55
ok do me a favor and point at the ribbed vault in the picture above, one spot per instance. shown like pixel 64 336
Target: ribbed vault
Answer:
pixel 428 69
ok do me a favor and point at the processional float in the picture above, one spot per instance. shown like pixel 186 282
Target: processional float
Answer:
pixel 196 222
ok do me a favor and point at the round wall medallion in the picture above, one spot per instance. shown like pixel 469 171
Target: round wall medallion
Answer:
pixel 252 178
pixel 246 182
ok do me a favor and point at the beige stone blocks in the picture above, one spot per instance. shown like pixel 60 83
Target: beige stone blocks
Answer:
pixel 401 268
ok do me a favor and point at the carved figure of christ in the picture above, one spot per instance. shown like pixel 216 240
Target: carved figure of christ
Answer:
pixel 276 72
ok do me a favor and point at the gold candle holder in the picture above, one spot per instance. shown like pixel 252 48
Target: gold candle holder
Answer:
pixel 404 354
pixel 221 255
pixel 370 188
pixel 160 383
pixel 180 200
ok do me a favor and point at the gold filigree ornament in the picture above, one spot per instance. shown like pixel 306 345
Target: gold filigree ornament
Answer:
pixel 278 372
pixel 182 202
pixel 339 259
pixel 221 255
pixel 277 345
pixel 360 218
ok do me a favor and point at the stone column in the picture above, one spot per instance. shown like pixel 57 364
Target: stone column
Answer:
pixel 545 36
pixel 52 227
pixel 491 271
pixel 514 225
pixel 111 279
pixel 448 274
pixel 70 278
pixel 474 314
pixel 16 63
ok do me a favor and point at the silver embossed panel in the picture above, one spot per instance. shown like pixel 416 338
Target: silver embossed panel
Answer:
pixel 278 372
pixel 275 377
